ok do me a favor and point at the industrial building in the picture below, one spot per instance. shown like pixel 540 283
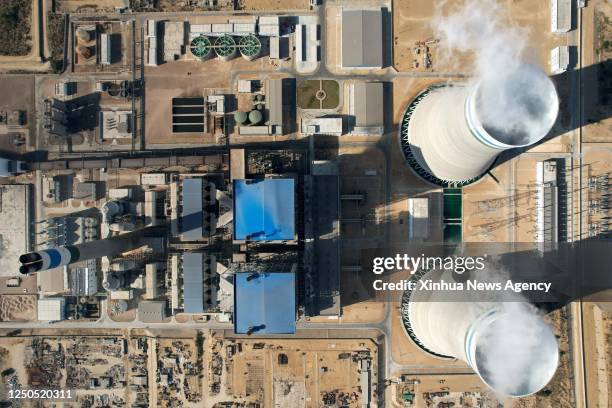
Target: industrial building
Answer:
pixel 322 126
pixel 418 219
pixel 84 279
pixel 322 246
pixel 264 303
pixel 51 309
pixel 362 39
pixel 191 201
pixel 559 59
pixel 367 106
pixel 550 201
pixel 280 102
pixel 264 210
pixel 15 225
pixel 152 311
pixel 306 43
pixel 560 16
pixel 194 283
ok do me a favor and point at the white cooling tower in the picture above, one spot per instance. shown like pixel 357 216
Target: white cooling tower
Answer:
pixel 451 134
pixel 504 341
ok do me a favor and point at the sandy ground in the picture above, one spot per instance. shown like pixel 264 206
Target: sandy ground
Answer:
pixel 598 352
pixel 313 368
pixel 280 5
pixel 412 22
pixel 17 308
pixel 72 6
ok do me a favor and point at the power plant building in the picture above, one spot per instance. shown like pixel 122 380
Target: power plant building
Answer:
pixel 367 107
pixel 190 199
pixel 547 202
pixel 194 282
pixel 264 210
pixel 15 225
pixel 560 16
pixel 152 311
pixel 362 39
pixel 264 303
pixel 51 309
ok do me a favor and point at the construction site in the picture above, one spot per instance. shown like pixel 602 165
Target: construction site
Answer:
pixel 194 194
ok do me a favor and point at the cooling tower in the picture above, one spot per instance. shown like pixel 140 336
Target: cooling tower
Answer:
pixel 451 134
pixel 64 255
pixel 504 341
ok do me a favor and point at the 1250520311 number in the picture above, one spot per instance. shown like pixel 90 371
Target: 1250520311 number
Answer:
pixel 46 394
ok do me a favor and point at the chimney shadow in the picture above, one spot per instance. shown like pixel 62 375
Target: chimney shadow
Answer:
pixel 585 96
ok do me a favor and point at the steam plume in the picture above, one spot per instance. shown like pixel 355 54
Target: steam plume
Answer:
pixel 517 102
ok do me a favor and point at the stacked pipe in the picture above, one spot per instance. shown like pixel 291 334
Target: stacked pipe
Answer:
pixel 53 257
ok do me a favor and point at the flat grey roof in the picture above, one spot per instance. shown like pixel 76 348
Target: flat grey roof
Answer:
pixel 362 39
pixel 275 101
pixel 369 104
pixel 191 218
pixel 193 286
pixel 153 311
pixel 15 210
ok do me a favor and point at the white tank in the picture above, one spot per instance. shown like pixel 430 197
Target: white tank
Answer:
pixel 453 133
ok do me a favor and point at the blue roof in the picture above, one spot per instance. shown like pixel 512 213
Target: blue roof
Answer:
pixel 264 210
pixel 265 303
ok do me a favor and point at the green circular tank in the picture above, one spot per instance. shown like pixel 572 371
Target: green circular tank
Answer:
pixel 240 117
pixel 250 47
pixel 255 117
pixel 200 47
pixel 225 47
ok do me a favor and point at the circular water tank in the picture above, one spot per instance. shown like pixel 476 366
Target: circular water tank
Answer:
pixel 250 47
pixel 240 117
pixel 255 117
pixel 259 106
pixel 112 282
pixel 260 97
pixel 200 47
pixel 120 306
pixel 225 47
pixel 113 89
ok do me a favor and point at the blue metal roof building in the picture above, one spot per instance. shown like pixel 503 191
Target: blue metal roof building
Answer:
pixel 264 210
pixel 264 302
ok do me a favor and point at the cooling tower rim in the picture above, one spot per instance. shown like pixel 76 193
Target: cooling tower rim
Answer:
pixel 486 137
pixel 404 144
pixel 404 316
pixel 471 341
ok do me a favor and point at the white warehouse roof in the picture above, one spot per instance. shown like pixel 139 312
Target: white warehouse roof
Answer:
pixel 51 309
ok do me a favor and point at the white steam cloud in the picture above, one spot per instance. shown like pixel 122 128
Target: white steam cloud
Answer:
pixel 516 102
pixel 518 353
